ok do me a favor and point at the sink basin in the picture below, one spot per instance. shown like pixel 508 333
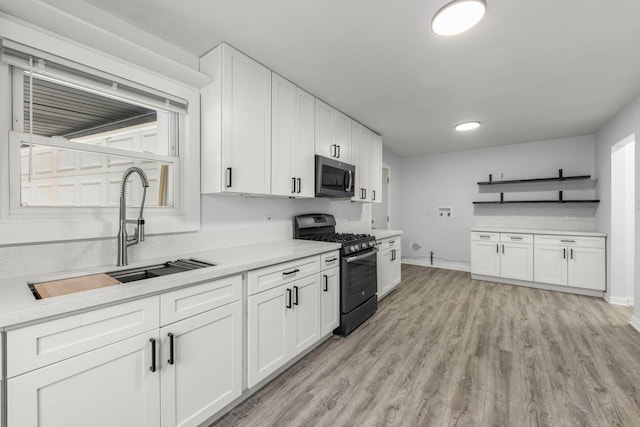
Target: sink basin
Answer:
pixel 157 270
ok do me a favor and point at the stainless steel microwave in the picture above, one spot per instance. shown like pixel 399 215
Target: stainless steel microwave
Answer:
pixel 334 178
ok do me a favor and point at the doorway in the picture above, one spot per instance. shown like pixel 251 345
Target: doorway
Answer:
pixel 380 214
pixel 623 221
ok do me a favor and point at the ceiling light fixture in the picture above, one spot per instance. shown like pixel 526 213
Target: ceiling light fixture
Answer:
pixel 467 126
pixel 458 16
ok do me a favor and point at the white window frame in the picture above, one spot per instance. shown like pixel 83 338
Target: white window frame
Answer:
pixel 20 224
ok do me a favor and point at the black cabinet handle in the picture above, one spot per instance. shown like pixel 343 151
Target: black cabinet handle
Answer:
pixel 497 248
pixel 568 241
pixel 502 248
pixel 295 295
pixel 288 300
pixel 293 182
pixel 152 368
pixel 229 177
pixel 334 150
pixel 571 252
pixel 170 361
pixel 564 254
pixel 286 273
pixel 299 185
pixel 393 254
pixel 326 283
pixel 329 260
pixel 373 194
pixel 338 150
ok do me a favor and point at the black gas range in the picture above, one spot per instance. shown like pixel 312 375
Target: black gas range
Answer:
pixel 358 267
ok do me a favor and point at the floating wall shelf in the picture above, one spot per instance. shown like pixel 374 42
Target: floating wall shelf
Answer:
pixel 557 179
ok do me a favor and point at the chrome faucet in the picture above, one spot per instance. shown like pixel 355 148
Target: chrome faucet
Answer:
pixel 123 238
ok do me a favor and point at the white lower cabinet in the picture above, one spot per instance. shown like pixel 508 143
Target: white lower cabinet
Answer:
pixel 570 261
pixel 563 260
pixel 330 300
pixel 101 368
pixel 389 265
pixel 506 255
pixel 201 365
pixel 110 386
pixel 283 322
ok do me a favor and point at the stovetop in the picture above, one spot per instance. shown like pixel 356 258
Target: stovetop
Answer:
pixel 321 227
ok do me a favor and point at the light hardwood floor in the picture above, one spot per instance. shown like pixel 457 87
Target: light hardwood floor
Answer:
pixel 447 350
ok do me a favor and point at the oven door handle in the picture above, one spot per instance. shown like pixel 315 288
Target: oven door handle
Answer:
pixel 363 256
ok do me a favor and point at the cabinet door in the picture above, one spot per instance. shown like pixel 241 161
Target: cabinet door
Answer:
pixel 384 272
pixel 376 168
pixel 586 268
pixel 304 328
pixel 246 124
pixel 324 130
pixel 485 258
pixel 342 135
pixel 516 261
pixel 283 141
pixel 550 264
pixel 204 372
pixel 395 268
pixel 330 300
pixel 267 332
pixel 304 144
pixel 110 386
pixel 361 158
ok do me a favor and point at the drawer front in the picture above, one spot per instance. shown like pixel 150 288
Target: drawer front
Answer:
pixel 187 302
pixel 580 241
pixel 516 238
pixel 276 275
pixel 486 237
pixel 329 260
pixel 389 243
pixel 44 343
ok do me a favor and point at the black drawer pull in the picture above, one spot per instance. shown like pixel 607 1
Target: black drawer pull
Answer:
pixel 152 368
pixel 568 241
pixel 170 361
pixel 286 273
pixel 329 260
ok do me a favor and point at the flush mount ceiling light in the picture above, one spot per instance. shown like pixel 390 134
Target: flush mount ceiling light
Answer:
pixel 467 126
pixel 457 17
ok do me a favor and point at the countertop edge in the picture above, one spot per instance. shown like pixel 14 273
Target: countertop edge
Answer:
pixel 539 231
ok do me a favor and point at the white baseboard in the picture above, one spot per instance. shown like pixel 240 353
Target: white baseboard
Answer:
pixel 627 302
pixel 635 323
pixel 425 263
pixel 537 285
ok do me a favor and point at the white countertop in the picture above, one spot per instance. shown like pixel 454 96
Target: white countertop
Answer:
pixel 539 231
pixel 383 234
pixel 18 305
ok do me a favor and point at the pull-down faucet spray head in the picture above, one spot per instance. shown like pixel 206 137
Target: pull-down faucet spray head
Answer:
pixel 123 239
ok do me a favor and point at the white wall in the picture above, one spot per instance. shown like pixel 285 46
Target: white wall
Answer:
pixel 624 124
pixel 450 180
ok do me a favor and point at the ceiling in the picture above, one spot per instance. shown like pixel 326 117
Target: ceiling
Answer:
pixel 531 70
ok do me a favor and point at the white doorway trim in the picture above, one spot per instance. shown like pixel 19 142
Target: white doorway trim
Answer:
pixel 621 289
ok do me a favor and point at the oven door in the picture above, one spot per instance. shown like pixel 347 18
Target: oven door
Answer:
pixel 359 279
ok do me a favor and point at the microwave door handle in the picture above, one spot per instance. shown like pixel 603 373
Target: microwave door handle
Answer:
pixel 348 188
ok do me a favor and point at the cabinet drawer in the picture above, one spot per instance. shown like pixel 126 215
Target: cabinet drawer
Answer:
pixel 559 240
pixel 329 260
pixel 389 243
pixel 516 238
pixel 276 275
pixel 39 345
pixel 483 236
pixel 187 302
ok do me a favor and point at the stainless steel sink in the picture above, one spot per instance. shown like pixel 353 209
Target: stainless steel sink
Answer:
pixel 157 270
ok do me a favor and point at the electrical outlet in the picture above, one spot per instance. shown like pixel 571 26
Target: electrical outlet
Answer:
pixel 268 217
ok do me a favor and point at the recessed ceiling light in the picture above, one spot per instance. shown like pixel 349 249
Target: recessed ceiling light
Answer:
pixel 458 16
pixel 467 126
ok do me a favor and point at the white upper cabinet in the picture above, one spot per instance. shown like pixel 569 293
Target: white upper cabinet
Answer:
pixel 333 133
pixel 293 136
pixel 376 168
pixel 361 158
pixel 236 124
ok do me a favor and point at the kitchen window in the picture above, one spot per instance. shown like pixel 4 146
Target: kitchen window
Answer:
pixel 75 130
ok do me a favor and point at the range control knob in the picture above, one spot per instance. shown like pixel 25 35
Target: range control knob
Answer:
pixel 352 249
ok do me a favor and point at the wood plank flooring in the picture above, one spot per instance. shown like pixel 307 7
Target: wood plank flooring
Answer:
pixel 445 350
